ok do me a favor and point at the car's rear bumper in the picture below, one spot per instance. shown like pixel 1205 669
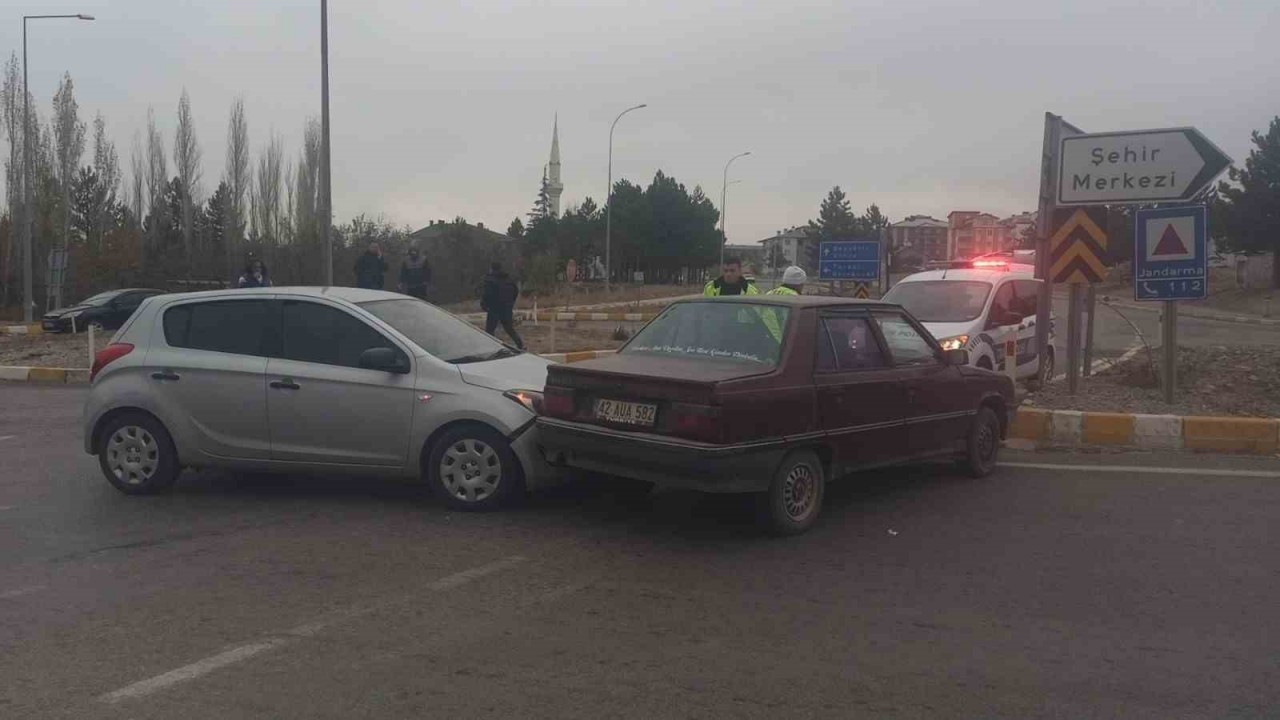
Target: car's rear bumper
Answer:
pixel 664 461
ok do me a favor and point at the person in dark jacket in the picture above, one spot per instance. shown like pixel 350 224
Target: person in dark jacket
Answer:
pixel 415 273
pixel 255 275
pixel 371 268
pixel 498 301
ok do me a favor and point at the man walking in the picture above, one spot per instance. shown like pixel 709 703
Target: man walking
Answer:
pixel 371 268
pixel 415 273
pixel 730 282
pixel 498 301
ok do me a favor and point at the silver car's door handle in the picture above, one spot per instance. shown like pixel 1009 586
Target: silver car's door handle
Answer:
pixel 286 384
pixel 166 375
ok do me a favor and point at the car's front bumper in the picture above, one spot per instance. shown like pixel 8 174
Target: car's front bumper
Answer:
pixel 537 471
pixel 664 461
pixel 58 324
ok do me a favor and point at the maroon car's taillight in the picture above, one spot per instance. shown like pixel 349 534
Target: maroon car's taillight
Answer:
pixel 108 355
pixel 558 402
pixel 697 422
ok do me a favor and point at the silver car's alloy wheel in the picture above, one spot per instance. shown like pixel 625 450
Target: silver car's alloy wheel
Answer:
pixel 470 470
pixel 133 454
pixel 800 493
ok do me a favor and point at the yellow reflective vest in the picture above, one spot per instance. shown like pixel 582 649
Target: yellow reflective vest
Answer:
pixel 770 317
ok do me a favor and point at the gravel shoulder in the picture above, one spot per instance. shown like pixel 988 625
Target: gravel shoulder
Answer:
pixel 60 351
pixel 1241 381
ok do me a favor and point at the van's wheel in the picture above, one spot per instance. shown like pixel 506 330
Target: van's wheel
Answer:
pixel 793 501
pixel 472 467
pixel 983 444
pixel 137 456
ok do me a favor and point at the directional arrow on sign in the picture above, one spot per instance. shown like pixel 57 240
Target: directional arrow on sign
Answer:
pixel 1144 166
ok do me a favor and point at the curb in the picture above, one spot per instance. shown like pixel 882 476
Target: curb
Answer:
pixel 1254 436
pixel 67 376
pixel 573 357
pixel 32 329
pixel 574 316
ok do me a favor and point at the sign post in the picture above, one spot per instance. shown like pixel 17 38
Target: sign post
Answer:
pixel 1077 256
pixel 849 260
pixel 1171 263
pixel 1055 128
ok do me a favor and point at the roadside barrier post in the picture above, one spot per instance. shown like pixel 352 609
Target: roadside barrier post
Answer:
pixel 553 334
pixel 91 353
pixel 1011 355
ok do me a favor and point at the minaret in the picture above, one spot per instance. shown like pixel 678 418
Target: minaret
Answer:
pixel 554 186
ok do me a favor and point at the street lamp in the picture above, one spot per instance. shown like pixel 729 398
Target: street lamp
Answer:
pixel 28 223
pixel 608 203
pixel 724 191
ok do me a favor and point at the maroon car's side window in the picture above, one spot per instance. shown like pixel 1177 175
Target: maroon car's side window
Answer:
pixel 906 344
pixel 847 343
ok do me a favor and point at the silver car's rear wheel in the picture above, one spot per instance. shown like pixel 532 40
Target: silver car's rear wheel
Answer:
pixel 136 454
pixel 472 467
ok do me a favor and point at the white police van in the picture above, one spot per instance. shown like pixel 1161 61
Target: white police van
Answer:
pixel 974 305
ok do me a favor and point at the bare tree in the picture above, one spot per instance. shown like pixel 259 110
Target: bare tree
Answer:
pixel 239 177
pixel 157 169
pixel 11 117
pixel 106 165
pixel 137 181
pixel 306 178
pixel 266 195
pixel 68 138
pixel 186 159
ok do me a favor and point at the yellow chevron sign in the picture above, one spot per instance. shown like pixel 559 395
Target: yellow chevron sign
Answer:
pixel 1078 246
pixel 862 292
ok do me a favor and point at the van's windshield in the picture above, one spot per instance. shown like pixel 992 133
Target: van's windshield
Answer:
pixel 941 300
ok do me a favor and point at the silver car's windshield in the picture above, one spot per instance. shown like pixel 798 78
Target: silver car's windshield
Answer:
pixel 436 331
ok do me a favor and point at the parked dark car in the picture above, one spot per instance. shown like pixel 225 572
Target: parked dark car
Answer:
pixel 774 395
pixel 107 311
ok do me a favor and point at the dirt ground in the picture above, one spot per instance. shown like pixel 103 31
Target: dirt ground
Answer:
pixel 571 336
pixel 588 294
pixel 1224 295
pixel 61 351
pixel 1240 381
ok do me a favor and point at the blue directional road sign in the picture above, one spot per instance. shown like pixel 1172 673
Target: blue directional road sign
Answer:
pixel 1170 254
pixel 849 260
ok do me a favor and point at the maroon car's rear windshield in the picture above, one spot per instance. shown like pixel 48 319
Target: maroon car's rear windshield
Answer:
pixel 734 332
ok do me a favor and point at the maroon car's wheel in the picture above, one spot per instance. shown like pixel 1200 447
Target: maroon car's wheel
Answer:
pixel 983 444
pixel 794 499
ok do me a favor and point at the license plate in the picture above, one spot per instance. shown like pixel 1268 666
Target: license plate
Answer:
pixel 49 325
pixel 626 413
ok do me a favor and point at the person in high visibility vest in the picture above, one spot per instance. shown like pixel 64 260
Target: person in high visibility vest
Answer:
pixel 730 282
pixel 793 279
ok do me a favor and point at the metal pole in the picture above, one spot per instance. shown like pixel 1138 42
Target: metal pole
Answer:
pixel 1044 222
pixel 28 226
pixel 1170 340
pixel 1073 339
pixel 326 189
pixel 1091 300
pixel 724 210
pixel 608 204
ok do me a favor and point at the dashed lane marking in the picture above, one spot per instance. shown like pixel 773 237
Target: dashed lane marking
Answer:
pixel 241 653
pixel 11 594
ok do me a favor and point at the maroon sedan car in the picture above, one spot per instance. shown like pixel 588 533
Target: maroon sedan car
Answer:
pixel 773 395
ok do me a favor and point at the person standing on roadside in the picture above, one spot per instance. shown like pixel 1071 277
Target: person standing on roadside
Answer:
pixel 498 301
pixel 371 268
pixel 793 280
pixel 415 273
pixel 730 282
pixel 255 276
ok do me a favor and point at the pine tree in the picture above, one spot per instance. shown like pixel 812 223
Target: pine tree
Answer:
pixel 1247 211
pixel 835 218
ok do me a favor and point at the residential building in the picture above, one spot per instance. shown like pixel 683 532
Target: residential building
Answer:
pixel 793 246
pixel 919 239
pixel 752 256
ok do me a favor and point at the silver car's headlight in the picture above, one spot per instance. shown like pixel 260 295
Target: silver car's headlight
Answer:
pixel 954 343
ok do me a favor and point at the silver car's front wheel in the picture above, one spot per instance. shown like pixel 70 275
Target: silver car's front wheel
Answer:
pixel 136 454
pixel 472 467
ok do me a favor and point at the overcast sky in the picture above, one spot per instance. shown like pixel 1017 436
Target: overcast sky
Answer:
pixel 445 108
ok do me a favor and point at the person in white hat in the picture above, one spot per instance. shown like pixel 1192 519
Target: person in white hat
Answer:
pixel 793 280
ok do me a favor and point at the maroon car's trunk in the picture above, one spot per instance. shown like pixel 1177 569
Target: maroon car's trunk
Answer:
pixel 683 391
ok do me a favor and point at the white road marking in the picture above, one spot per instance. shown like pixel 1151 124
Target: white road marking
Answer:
pixel 21 591
pixel 1102 363
pixel 7 437
pixel 1142 469
pixel 244 652
pixel 7 507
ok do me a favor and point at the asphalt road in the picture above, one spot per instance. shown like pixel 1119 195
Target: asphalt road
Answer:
pixel 1061 591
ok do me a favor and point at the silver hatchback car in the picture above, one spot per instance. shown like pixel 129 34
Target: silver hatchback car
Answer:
pixel 315 380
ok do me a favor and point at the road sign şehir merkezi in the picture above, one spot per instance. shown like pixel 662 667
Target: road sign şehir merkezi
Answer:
pixel 1170 254
pixel 1078 246
pixel 1143 166
pixel 849 260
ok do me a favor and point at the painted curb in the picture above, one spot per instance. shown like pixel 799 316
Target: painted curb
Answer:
pixel 44 375
pixel 1072 428
pixel 32 329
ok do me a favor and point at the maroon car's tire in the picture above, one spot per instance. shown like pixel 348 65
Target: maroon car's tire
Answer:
pixel 983 444
pixel 793 501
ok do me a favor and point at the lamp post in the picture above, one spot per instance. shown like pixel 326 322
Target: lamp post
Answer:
pixel 724 192
pixel 326 189
pixel 27 221
pixel 608 203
